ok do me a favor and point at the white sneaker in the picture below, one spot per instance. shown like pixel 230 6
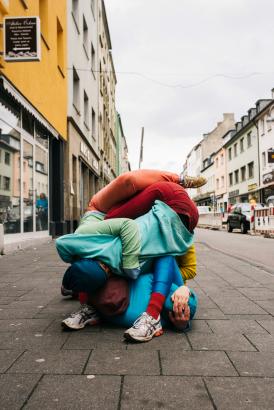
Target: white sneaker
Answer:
pixel 144 328
pixel 86 315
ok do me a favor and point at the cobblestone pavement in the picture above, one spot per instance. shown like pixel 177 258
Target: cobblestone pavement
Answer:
pixel 225 362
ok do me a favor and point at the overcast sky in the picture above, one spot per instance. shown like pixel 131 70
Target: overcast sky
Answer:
pixel 172 45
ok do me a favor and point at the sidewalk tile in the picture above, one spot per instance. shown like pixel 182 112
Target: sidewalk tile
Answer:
pixel 7 357
pixel 123 362
pixel 96 340
pixel 169 340
pixel 231 393
pixel 32 341
pixel 264 343
pixel 164 392
pixel 15 389
pixel 13 325
pixel 253 363
pixel 48 362
pixel 229 342
pixel 76 392
pixel 196 364
pixel 235 326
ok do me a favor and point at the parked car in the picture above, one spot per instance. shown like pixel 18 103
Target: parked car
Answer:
pixel 239 217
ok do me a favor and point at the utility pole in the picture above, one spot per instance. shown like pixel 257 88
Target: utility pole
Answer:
pixel 141 148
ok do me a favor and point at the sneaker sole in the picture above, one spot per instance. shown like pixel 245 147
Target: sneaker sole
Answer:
pixel 158 333
pixel 79 327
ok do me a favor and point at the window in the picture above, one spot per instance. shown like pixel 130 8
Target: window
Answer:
pixel 251 170
pixel 217 162
pixel 43 14
pixel 218 183
pixel 231 179
pixel 93 124
pixel 236 176
pixel 27 122
pixel 7 158
pixel 60 47
pixel 92 58
pixel 235 150
pixel 6 183
pixel 262 126
pixel 249 140
pixel 243 174
pixel 264 159
pixel 242 145
pixel 76 90
pixel 75 13
pixel 222 159
pixel 223 181
pixel 230 154
pixel 86 110
pixel 92 5
pixel 85 36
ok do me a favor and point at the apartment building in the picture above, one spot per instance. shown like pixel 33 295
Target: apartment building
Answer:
pixel 123 164
pixel 107 110
pixel 265 128
pixel 82 153
pixel 33 126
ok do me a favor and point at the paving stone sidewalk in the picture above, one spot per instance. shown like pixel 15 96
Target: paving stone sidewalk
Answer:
pixel 225 362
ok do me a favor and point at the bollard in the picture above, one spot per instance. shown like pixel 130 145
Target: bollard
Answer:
pixel 1 239
pixel 252 219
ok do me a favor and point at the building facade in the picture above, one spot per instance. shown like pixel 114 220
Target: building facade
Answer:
pixel 82 154
pixel 123 164
pixel 265 128
pixel 107 110
pixel 33 125
pixel 220 183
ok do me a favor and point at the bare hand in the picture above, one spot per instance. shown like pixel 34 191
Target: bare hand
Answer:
pixel 180 320
pixel 180 299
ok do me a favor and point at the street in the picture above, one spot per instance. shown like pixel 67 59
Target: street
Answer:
pixel 256 249
pixel 224 362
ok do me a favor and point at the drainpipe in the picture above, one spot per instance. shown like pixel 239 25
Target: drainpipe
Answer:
pixel 259 159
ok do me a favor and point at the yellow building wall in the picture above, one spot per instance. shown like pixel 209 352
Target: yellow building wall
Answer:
pixel 43 83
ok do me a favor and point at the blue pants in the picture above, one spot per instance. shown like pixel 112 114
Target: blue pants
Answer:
pixel 144 285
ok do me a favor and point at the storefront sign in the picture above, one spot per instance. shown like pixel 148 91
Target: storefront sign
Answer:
pixel 233 193
pixel 84 150
pixel 269 177
pixel 252 187
pixel 270 155
pixel 22 39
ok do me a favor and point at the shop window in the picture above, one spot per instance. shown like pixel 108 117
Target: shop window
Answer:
pixel 7 158
pixel 251 170
pixel 60 47
pixel 28 122
pixel 243 173
pixel 43 13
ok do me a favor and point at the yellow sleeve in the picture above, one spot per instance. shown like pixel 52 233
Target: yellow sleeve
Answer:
pixel 187 263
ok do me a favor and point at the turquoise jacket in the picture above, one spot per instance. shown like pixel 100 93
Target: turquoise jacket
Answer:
pixel 161 233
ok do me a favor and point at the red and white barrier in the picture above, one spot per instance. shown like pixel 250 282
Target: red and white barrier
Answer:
pixel 264 220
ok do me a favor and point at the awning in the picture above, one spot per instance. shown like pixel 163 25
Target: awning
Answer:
pixel 24 103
